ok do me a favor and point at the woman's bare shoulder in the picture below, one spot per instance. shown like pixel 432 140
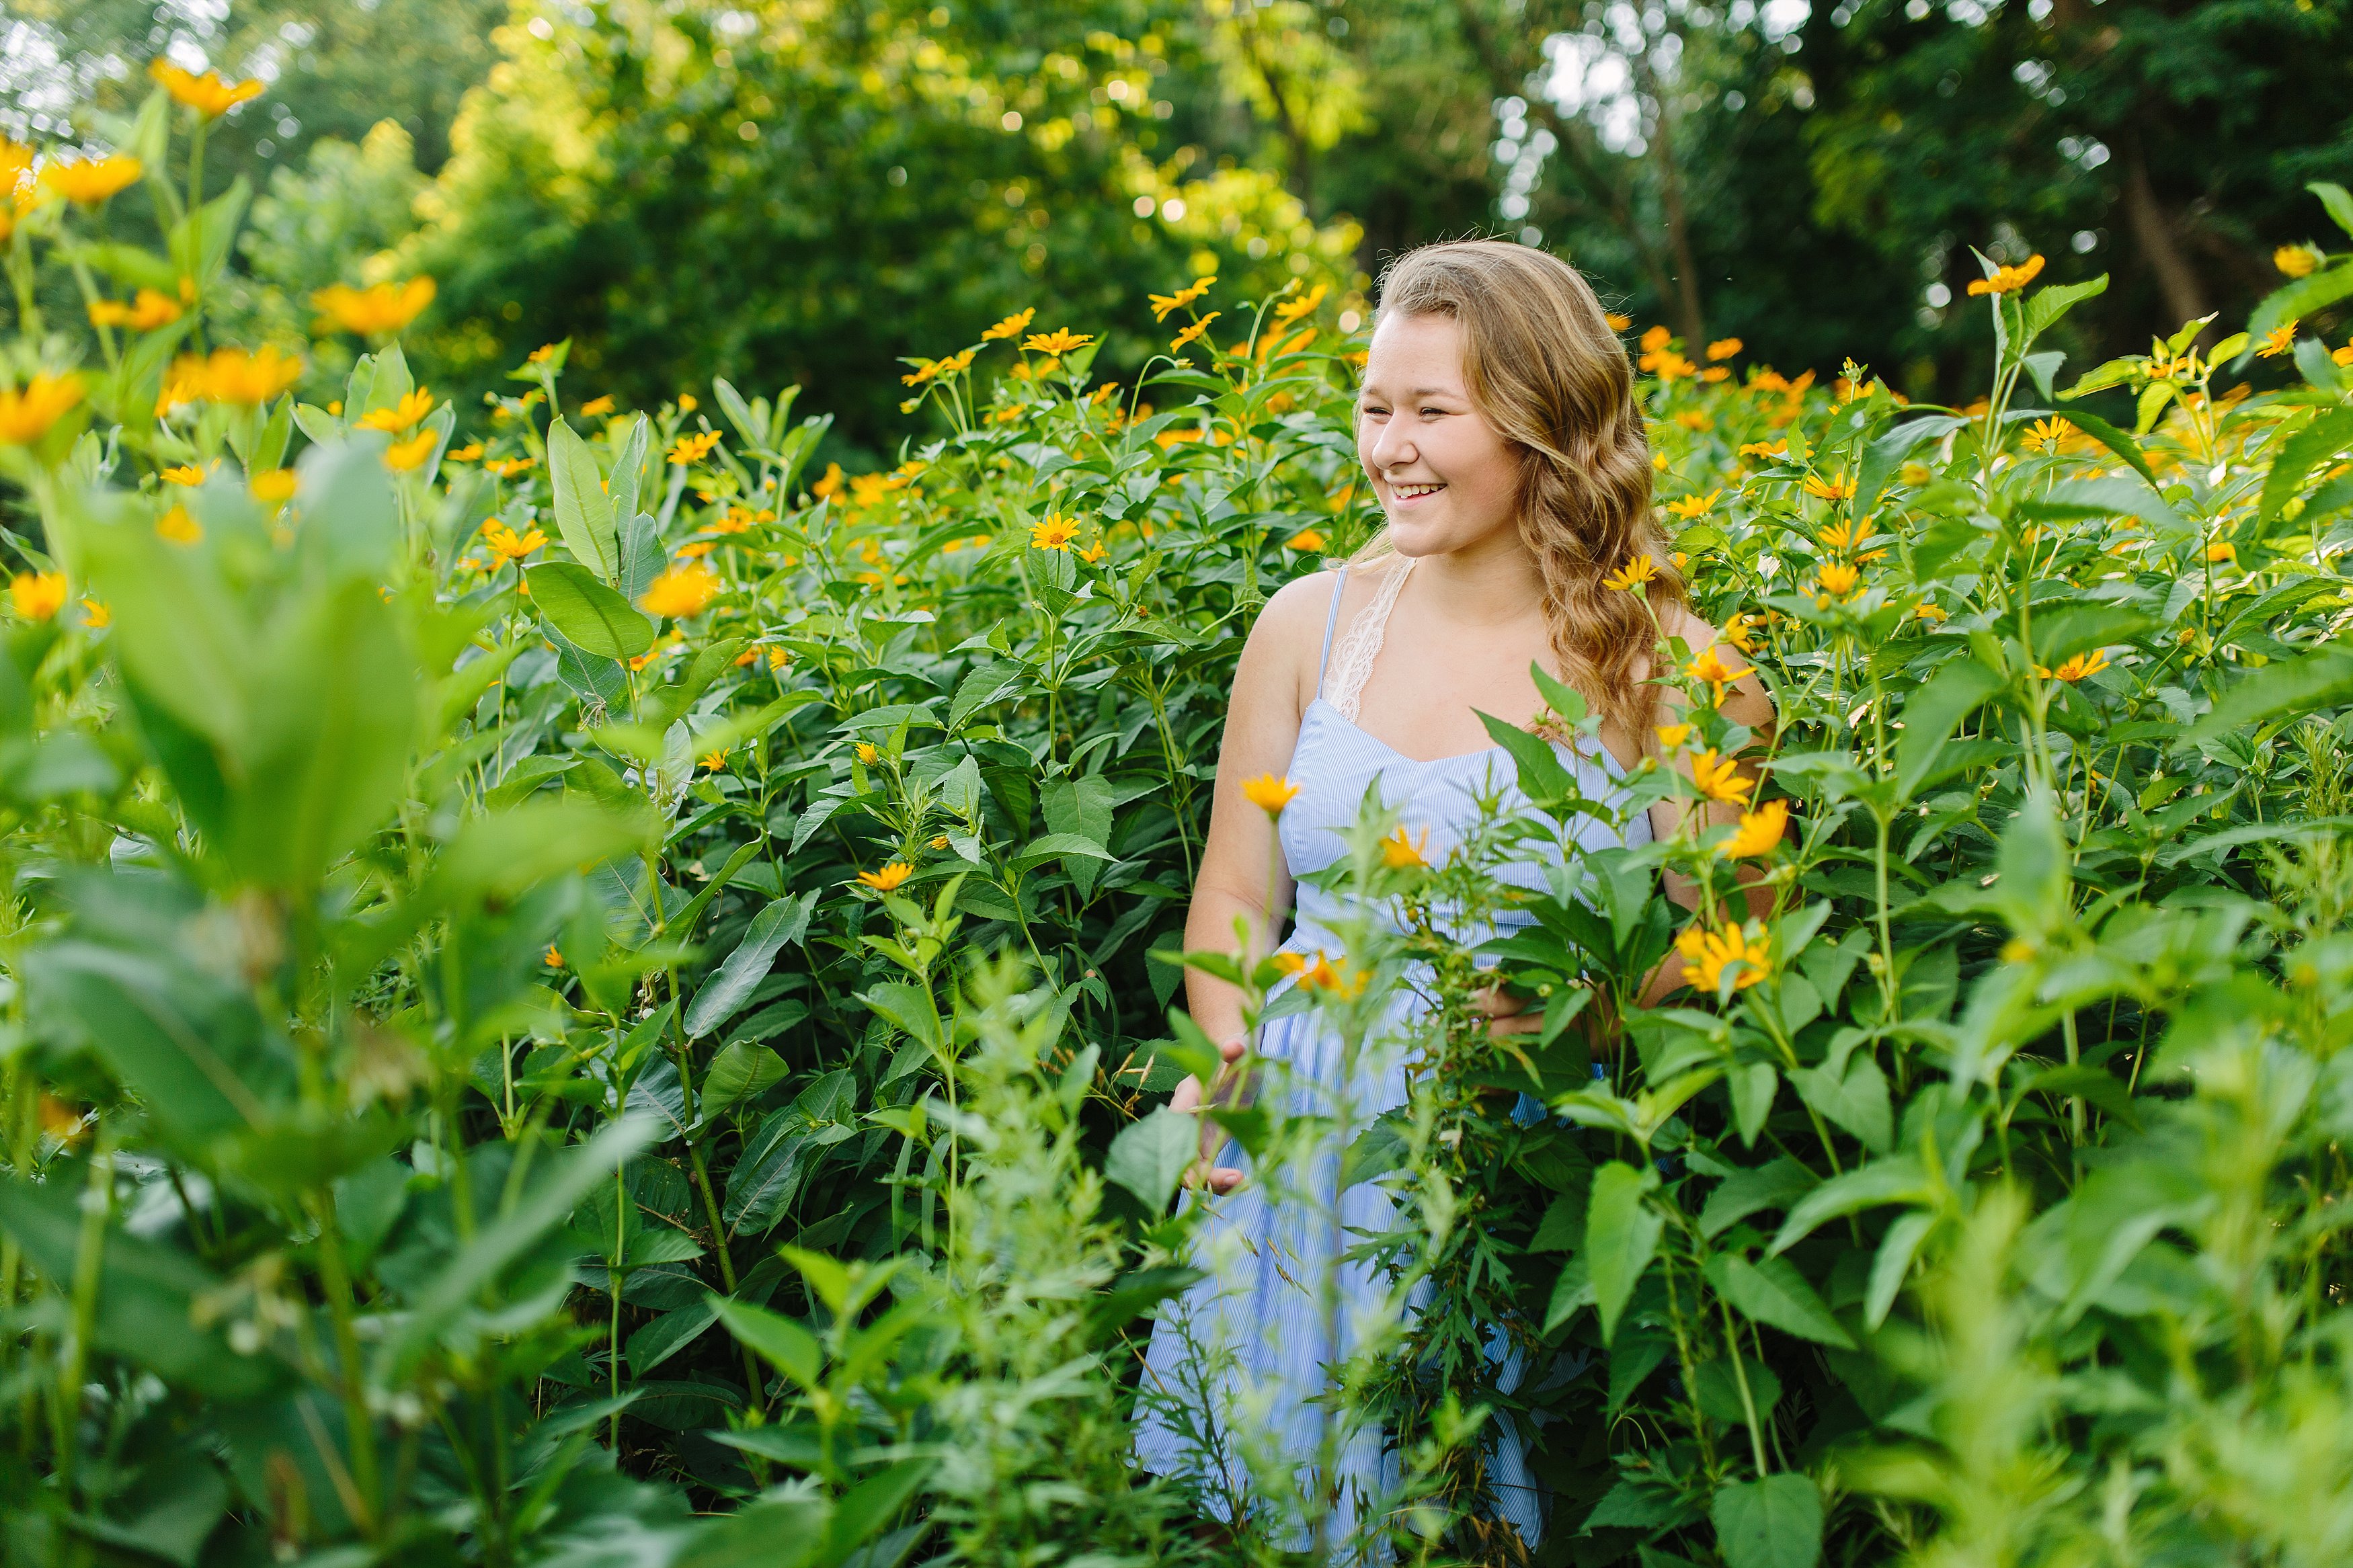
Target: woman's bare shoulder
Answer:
pixel 1288 635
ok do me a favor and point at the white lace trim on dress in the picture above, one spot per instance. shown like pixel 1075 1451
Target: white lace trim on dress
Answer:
pixel 1352 660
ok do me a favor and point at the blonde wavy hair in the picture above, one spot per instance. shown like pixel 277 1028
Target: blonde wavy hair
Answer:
pixel 1545 369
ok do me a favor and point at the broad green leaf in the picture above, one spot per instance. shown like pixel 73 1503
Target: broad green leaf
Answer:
pixel 1150 1156
pixel 629 473
pixel 739 1071
pixel 2302 299
pixel 1775 1523
pixel 1934 711
pixel 583 513
pixel 783 921
pixel 1893 1264
pixel 1622 1236
pixel 1774 1292
pixel 2300 454
pixel 2048 304
pixel 2337 200
pixel 1899 1179
pixel 592 616
pixel 2318 680
pixel 1744 1192
pixel 1856 1100
pixel 783 1342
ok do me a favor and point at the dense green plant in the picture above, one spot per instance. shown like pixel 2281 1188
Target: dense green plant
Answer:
pixel 491 1076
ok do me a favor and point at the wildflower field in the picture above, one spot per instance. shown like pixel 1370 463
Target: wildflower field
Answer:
pixel 584 987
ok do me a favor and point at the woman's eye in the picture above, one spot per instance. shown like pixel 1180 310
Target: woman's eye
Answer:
pixel 1431 413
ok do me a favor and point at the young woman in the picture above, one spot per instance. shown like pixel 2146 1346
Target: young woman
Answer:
pixel 1498 428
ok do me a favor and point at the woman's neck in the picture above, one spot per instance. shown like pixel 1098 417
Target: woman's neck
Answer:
pixel 1493 581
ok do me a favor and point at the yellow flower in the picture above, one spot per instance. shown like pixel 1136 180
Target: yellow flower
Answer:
pixel 508 468
pixel 2295 260
pixel 2045 435
pixel 1766 449
pixel 1306 538
pixel 1616 322
pixel 1194 331
pixel 87 181
pixel 1291 311
pixel 1695 506
pixel 1010 327
pixel 777 658
pixel 1656 337
pixel 2077 668
pixel 37 596
pixel 1740 631
pixel 26 416
pixel 210 95
pixel 2279 340
pixel 272 487
pixel 692 448
pixel 2006 279
pixel 1838 581
pixel 1399 852
pixel 1710 953
pixel 687 403
pixel 1711 670
pixel 867 753
pixel 178 527
pixel 552 957
pixel 232 376
pixel 1054 534
pixel 597 407
pixel 1758 831
pixel 888 878
pixel 1717 778
pixel 1268 793
pixel 923 372
pixel 1723 348
pixel 1163 304
pixel 1060 341
pixel 379 308
pixel 2221 549
pixel 714 761
pixel 1339 980
pixel 401 414
pixel 146 311
pixel 186 474
pixel 508 545
pixel 1638 569
pixel 406 457
pixel 939 840
pixel 96 615
pixel 1673 736
pixel 1841 535
pixel 1930 613
pixel 1838 487
pixel 465 453
pixel 1095 553
pixel 680 592
pixel 541 354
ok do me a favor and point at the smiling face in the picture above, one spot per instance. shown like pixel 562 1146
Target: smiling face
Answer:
pixel 1446 477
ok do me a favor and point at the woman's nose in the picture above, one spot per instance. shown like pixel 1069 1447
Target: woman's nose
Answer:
pixel 1391 449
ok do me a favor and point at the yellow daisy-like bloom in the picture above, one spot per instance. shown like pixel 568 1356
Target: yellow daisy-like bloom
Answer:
pixel 1617 322
pixel 508 468
pixel 1838 487
pixel 87 181
pixel 1673 736
pixel 186 474
pixel 465 453
pixel 887 879
pixel 552 957
pixel 178 527
pixel 778 659
pixel 1932 613
pixel 1268 793
pixel 714 761
pixel 2077 668
pixel 1163 304
pixel 27 414
pixel 508 545
pixel 1095 553
pixel 407 456
pixel 2006 280
pixel 1399 852
pixel 1193 333
pixel 1336 980
pixel 1012 326
pixel 1740 630
pixel 597 408
pixel 1710 953
pixel 1760 831
pixel 1841 535
pixel 233 375
pixel 939 840
pixel 1837 580
pixel 401 415
pixel 2279 341
pixel 1694 506
pixel 2221 549
pixel 2295 260
pixel 1717 778
pixel 376 311
pixel 2045 435
pixel 1766 449
pixel 1712 670
pixel 1306 538
pixel 1060 341
pixel 96 615
pixel 272 487
pixel 922 374
pixel 690 449
pixel 143 312
pixel 1054 534
pixel 867 753
pixel 680 592
pixel 1291 311
pixel 210 95
pixel 1638 569
pixel 37 596
pixel 1723 348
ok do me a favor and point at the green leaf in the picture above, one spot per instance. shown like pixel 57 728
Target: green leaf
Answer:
pixel 1622 1236
pixel 783 921
pixel 2115 440
pixel 583 513
pixel 1893 1264
pixel 2336 199
pixel 781 1342
pixel 1745 1193
pixel 1934 712
pixel 743 1068
pixel 591 617
pixel 2111 495
pixel 2047 305
pixel 1776 1522
pixel 1900 1178
pixel 1856 1100
pixel 628 474
pixel 2320 679
pixel 1774 1292
pixel 2301 299
pixel 2300 454
pixel 1150 1156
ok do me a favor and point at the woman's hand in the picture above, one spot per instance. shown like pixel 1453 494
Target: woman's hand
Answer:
pixel 1507 1014
pixel 1186 1101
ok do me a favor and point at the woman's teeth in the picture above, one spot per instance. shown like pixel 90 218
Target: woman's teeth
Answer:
pixel 1414 493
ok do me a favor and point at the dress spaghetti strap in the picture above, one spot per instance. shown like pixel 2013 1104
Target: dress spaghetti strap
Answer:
pixel 1330 620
